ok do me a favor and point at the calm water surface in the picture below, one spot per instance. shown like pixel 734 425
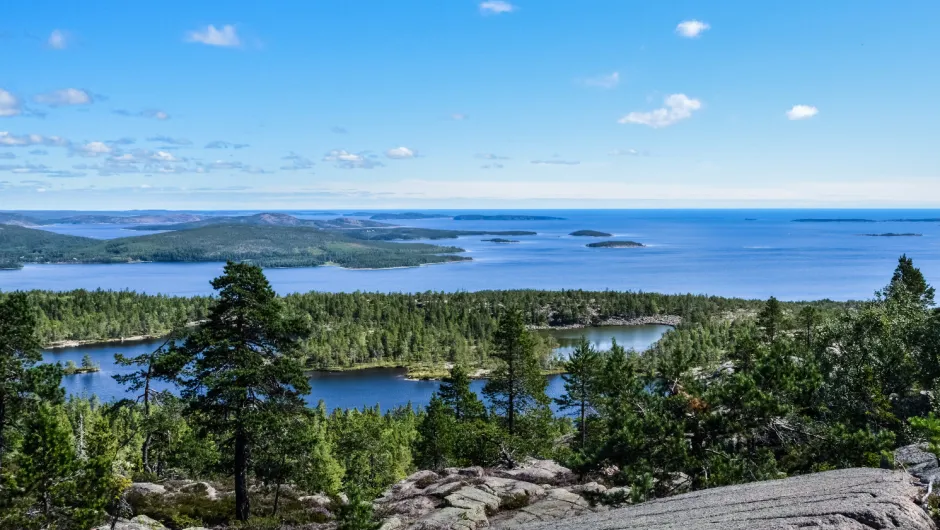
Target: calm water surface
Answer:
pixel 382 386
pixel 717 252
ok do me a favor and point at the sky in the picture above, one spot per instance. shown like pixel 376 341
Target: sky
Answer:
pixel 468 104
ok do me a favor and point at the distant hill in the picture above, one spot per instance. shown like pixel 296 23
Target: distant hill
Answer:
pixel 270 246
pixel 17 219
pixel 265 219
pixel 87 219
pixel 475 217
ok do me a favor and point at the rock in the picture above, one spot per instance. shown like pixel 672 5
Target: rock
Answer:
pixel 392 523
pixel 124 524
pixel 847 499
pixel 146 488
pixel 423 479
pixel 538 472
pixel 557 504
pixel 196 528
pixel 319 500
pixel 410 508
pixel 473 471
pixel 590 487
pixel 470 497
pixel 918 461
pixel 444 489
pixel 451 518
pixel 508 489
pixel 199 488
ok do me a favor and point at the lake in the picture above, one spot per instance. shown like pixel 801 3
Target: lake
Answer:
pixel 742 253
pixel 387 387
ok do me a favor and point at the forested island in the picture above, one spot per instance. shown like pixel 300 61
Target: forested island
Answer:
pixel 894 234
pixel 589 233
pixel 407 215
pixel 741 391
pixel 476 217
pixel 269 246
pixel 500 240
pixel 263 219
pixel 615 244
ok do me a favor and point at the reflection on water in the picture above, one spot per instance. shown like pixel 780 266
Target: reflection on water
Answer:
pixel 637 338
pixel 386 387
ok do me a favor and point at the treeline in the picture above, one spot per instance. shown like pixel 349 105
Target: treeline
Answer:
pixel 346 329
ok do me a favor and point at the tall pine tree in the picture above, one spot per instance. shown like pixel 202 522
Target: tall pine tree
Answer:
pixel 583 371
pixel 245 368
pixel 517 383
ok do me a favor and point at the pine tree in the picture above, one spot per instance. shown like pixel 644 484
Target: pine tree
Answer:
pixel 22 378
pixel 770 318
pixel 245 367
pixel 456 395
pixel 583 371
pixel 517 383
pixel 909 281
pixel 436 436
pixel 356 513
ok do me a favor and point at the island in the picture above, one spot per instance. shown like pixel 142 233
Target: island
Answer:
pixel 268 246
pixel 406 233
pixel 88 366
pixel 836 220
pixel 615 244
pixel 750 218
pixel 589 233
pixel 893 234
pixel 476 217
pixel 264 219
pixel 408 215
pixel 500 240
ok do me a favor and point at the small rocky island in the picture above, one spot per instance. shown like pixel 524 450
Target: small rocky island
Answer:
pixel 475 217
pixel 893 234
pixel 500 240
pixel 589 233
pixel 615 244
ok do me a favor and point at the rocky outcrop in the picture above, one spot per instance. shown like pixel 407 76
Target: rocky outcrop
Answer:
pixel 919 462
pixel 470 498
pixel 848 499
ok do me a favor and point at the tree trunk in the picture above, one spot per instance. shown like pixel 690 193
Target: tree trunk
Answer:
pixel 145 449
pixel 242 507
pixel 583 425
pixel 3 422
pixel 277 497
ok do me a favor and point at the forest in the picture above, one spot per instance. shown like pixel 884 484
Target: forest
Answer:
pixel 269 246
pixel 740 391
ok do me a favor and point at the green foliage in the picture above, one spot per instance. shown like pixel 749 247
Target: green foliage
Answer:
pixel 357 513
pixel 583 373
pixel 437 435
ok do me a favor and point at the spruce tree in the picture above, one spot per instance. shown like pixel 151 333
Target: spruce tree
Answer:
pixel 517 383
pixel 583 371
pixel 245 368
pixel 770 318
pixel 437 434
pixel 456 395
pixel 909 281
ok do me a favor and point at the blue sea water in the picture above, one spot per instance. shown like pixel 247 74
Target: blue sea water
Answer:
pixel 718 252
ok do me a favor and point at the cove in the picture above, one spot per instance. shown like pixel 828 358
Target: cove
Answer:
pixel 367 387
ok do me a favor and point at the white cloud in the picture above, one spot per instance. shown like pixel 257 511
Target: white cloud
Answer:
pixel 66 96
pixel 211 36
pixel 692 28
pixel 496 7
pixel 6 138
pixel 491 156
pixel 556 162
pixel 802 112
pixel 400 152
pixel 458 116
pixel 678 107
pixel 610 80
pixel 58 40
pixel 346 160
pixel 163 156
pixel 94 149
pixel 9 104
pixel 624 152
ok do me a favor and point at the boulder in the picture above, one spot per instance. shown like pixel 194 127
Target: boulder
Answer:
pixel 510 489
pixel 146 488
pixel 538 472
pixel 469 497
pixel 557 504
pixel 590 487
pixel 319 500
pixel 199 488
pixel 847 499
pixel 443 489
pixel 451 518
pixel 918 461
pixel 141 522
pixel 410 508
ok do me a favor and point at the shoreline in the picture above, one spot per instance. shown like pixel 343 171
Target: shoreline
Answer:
pixel 652 320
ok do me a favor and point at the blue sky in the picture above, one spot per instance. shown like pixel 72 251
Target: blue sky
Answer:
pixel 450 104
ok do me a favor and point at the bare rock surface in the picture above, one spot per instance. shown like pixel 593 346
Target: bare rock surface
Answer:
pixel 848 499
pixel 918 461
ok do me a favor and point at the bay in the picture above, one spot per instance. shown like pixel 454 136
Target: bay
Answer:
pixel 387 387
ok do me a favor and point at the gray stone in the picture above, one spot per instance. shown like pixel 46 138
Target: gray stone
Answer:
pixel 392 523
pixel 203 488
pixel 444 489
pixel 590 487
pixel 918 461
pixel 469 497
pixel 410 508
pixel 848 499
pixel 557 504
pixel 319 500
pixel 452 519
pixel 538 472
pixel 422 478
pixel 146 488
pixel 124 524
pixel 507 488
